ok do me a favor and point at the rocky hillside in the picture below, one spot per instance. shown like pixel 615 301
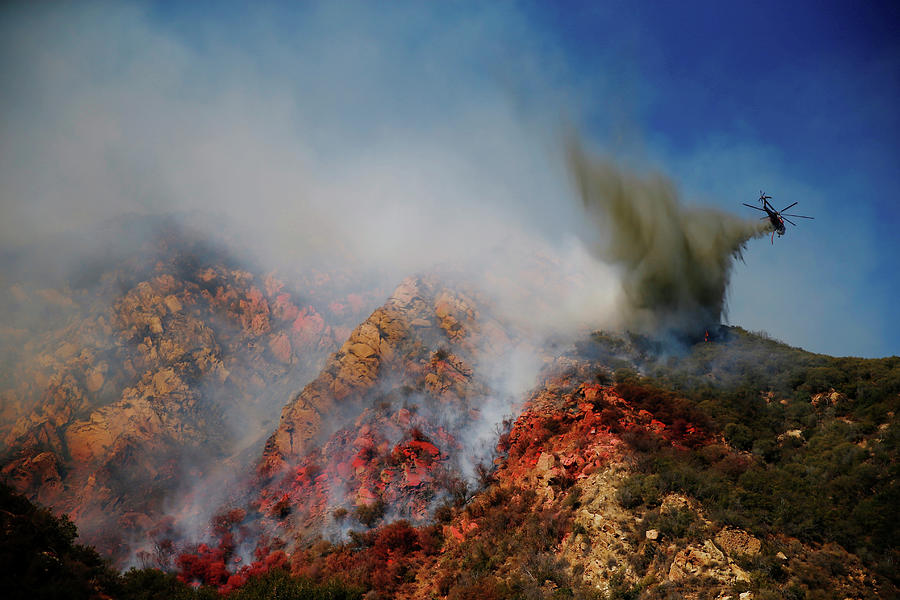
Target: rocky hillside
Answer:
pixel 143 399
pixel 391 420
pixel 738 468
pixel 120 392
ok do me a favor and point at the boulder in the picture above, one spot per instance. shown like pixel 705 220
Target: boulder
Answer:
pixel 737 541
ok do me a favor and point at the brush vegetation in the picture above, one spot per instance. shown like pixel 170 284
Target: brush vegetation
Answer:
pixel 803 456
pixel 811 446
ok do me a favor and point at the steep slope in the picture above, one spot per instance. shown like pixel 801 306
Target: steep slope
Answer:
pixel 611 483
pixel 120 392
pixel 391 420
pixel 624 489
pixel 632 469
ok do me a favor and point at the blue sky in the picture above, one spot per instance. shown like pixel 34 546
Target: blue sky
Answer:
pixel 108 103
pixel 798 99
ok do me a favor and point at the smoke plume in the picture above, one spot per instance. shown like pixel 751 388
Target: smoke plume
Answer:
pixel 674 261
pixel 349 143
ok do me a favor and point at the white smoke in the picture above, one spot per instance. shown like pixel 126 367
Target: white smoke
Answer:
pixel 390 140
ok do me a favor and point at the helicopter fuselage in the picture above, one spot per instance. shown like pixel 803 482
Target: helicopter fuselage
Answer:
pixel 774 218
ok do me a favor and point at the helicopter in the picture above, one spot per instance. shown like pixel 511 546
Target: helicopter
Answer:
pixel 775 217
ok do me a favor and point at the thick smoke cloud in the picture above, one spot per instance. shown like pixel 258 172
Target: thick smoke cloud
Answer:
pixel 383 137
pixel 377 142
pixel 675 261
pixel 390 141
pixel 344 138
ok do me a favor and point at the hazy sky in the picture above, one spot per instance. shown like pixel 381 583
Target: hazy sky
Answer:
pixel 283 114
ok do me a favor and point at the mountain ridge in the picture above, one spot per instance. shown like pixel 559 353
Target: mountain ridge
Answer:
pixel 410 464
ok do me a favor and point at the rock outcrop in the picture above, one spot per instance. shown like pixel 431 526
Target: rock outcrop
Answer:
pixel 419 336
pixel 383 425
pixel 118 393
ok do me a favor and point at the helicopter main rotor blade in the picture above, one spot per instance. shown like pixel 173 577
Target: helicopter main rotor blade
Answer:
pixel 787 207
pixel 788 220
pixel 797 216
pixel 751 206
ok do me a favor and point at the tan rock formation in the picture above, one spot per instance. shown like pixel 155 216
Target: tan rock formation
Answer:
pixel 100 403
pixel 403 325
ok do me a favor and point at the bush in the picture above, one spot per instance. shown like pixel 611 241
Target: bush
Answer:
pixel 369 514
pixel 673 523
pixel 739 436
pixel 640 489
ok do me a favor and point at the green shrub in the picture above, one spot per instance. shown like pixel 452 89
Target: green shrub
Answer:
pixel 739 436
pixel 370 514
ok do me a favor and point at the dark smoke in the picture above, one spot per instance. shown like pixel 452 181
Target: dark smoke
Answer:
pixel 675 261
